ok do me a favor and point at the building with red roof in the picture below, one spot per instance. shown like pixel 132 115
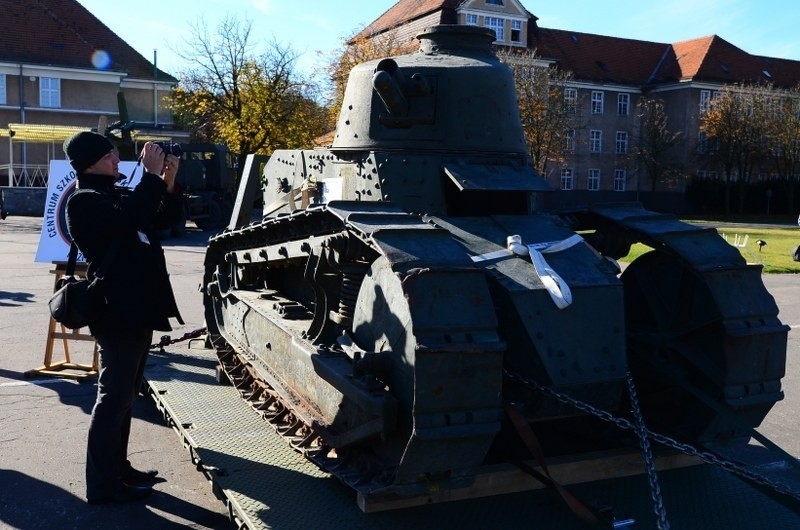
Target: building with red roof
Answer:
pixel 61 66
pixel 610 75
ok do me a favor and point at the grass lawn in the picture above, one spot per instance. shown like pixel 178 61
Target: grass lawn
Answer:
pixel 775 256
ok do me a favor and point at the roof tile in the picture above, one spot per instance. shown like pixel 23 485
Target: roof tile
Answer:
pixel 63 33
pixel 605 59
pixel 406 11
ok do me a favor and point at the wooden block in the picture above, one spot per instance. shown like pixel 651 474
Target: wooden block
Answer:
pixel 506 478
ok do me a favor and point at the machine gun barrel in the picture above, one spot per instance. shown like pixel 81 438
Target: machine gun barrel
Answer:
pixel 390 93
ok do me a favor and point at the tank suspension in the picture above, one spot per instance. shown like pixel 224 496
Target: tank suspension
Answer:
pixel 353 274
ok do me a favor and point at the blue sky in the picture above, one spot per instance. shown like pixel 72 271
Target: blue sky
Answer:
pixel 759 27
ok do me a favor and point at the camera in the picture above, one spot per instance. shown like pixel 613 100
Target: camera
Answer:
pixel 170 149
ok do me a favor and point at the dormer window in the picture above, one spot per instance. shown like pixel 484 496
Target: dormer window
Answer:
pixel 495 2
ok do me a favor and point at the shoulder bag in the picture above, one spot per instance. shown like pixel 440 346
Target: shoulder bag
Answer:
pixel 78 302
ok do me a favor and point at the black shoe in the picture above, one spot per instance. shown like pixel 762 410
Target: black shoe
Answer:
pixel 123 493
pixel 135 477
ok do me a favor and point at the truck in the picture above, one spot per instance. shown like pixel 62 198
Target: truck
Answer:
pixel 206 175
pixel 207 179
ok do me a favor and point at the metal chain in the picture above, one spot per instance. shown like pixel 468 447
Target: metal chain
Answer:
pixel 622 423
pixel 166 340
pixel 647 456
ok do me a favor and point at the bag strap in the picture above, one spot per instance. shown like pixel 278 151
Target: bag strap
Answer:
pixel 73 255
pixel 107 260
pixel 104 266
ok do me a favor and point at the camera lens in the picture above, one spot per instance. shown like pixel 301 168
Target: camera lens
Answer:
pixel 170 149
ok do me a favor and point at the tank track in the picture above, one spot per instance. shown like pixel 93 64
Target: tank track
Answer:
pixel 357 470
pixel 703 331
pixel 267 400
pixel 698 317
pixel 374 227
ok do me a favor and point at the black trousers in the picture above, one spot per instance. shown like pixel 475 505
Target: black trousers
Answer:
pixel 122 361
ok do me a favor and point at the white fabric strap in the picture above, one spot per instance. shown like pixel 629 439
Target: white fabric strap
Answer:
pixel 492 255
pixel 556 287
pixel 514 246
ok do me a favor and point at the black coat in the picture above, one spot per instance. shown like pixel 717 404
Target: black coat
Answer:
pixel 137 288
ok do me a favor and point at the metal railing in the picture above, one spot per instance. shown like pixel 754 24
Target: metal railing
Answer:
pixel 25 175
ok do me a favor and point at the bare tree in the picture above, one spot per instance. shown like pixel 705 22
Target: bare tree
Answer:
pixel 655 141
pixel 736 124
pixel 255 102
pixel 784 133
pixel 549 117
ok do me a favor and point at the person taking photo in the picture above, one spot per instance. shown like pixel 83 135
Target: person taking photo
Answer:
pixel 105 220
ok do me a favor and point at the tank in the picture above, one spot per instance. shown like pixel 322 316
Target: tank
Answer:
pixel 404 295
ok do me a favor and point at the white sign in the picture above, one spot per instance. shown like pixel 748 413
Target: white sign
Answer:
pixel 331 190
pixel 54 241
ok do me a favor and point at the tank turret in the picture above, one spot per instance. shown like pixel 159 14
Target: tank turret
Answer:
pixel 452 96
pixel 437 131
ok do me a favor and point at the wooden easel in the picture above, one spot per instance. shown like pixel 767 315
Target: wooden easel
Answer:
pixel 65 368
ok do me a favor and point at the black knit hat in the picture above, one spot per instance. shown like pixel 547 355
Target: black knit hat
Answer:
pixel 85 148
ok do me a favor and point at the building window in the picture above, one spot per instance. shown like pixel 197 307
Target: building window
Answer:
pixel 516 31
pixel 3 89
pixel 571 99
pixel 620 177
pixel 570 141
pixel 702 143
pixel 622 143
pixel 595 141
pixel 713 147
pixel 594 180
pixel 472 20
pixel 50 92
pixel 496 24
pixel 566 179
pixel 705 101
pixel 495 2
pixel 773 107
pixel 597 102
pixel 623 104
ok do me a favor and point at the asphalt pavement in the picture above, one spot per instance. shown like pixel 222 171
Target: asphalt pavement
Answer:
pixel 45 419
